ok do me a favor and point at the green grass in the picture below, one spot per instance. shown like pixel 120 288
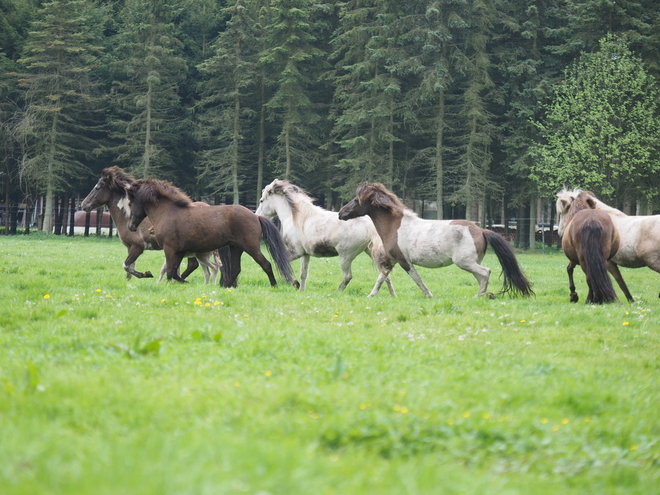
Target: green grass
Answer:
pixel 112 386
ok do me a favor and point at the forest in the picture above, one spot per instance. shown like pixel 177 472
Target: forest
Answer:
pixel 477 109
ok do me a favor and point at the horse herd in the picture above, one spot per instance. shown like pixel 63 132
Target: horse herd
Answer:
pixel 155 214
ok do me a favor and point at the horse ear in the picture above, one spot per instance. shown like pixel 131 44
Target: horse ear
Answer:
pixel 592 204
pixel 564 204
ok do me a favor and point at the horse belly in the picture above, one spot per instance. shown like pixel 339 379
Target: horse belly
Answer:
pixel 426 251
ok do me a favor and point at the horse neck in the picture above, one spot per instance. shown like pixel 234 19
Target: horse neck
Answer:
pixel 387 222
pixel 285 213
pixel 609 209
pixel 118 215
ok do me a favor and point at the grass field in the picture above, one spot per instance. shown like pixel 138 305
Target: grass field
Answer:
pixel 109 386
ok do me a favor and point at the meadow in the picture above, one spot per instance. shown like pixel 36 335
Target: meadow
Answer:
pixel 110 385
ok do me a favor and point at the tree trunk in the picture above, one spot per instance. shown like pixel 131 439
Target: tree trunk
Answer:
pixel 532 223
pixel 439 171
pixel 287 150
pixel 50 186
pixel 146 158
pixel 262 139
pixel 234 143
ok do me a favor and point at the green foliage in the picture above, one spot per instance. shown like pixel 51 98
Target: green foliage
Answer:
pixel 109 385
pixel 147 117
pixel 603 126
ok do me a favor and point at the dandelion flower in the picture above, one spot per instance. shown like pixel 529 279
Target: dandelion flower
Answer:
pixel 564 421
pixel 634 446
pixel 47 296
pixel 268 373
pixel 98 290
pixel 466 414
pixel 544 421
pixel 625 323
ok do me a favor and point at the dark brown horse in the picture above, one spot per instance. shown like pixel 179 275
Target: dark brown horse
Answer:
pixel 410 240
pixel 181 228
pixel 110 191
pixel 590 239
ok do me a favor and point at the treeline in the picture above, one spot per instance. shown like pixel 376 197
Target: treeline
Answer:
pixel 465 103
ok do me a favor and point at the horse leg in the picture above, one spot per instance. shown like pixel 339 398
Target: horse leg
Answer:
pixel 383 276
pixel 573 297
pixel 418 280
pixel 173 261
pixel 163 271
pixel 208 266
pixel 191 267
pixel 129 263
pixel 264 264
pixel 613 268
pixel 481 273
pixel 345 263
pixel 304 270
pixel 234 264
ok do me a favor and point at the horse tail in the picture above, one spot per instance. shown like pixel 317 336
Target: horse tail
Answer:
pixel 594 264
pixel 277 249
pixel 514 278
pixel 225 263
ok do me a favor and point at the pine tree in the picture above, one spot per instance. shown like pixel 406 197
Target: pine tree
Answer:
pixel 232 75
pixel 296 62
pixel 60 55
pixel 148 120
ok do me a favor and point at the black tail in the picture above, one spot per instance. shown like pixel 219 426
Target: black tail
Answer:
pixel 225 265
pixel 277 249
pixel 594 264
pixel 515 281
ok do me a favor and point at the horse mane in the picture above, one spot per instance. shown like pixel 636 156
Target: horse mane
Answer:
pixel 153 190
pixel 300 202
pixel 117 179
pixel 569 195
pixel 376 194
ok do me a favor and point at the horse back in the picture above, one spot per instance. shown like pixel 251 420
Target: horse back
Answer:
pixel 205 228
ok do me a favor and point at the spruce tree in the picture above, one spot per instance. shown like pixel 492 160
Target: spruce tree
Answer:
pixel 59 89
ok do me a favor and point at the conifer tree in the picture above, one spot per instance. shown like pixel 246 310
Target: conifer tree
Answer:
pixel 296 62
pixel 148 120
pixel 59 90
pixel 232 75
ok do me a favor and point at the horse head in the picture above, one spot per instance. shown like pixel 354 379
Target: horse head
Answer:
pixel 137 195
pixel 565 199
pixel 368 197
pixel 113 181
pixel 291 194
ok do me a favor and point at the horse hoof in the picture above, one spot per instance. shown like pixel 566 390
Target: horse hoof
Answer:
pixel 490 295
pixel 148 275
pixel 296 284
pixel 574 298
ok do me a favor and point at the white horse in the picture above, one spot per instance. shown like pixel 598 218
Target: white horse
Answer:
pixel 410 240
pixel 640 235
pixel 309 230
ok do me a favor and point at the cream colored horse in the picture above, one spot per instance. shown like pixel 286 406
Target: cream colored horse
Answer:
pixel 310 230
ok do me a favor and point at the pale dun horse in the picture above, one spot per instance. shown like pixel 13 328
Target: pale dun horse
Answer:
pixel 640 234
pixel 590 239
pixel 410 240
pixel 309 230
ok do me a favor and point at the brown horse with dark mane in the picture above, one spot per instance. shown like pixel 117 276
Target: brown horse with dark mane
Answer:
pixel 182 229
pixel 110 190
pixel 410 240
pixel 590 239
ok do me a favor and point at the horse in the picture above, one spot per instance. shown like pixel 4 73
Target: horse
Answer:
pixel 181 228
pixel 590 239
pixel 309 230
pixel 110 191
pixel 640 234
pixel 410 240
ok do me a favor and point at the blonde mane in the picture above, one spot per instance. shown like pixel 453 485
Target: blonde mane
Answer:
pixel 301 204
